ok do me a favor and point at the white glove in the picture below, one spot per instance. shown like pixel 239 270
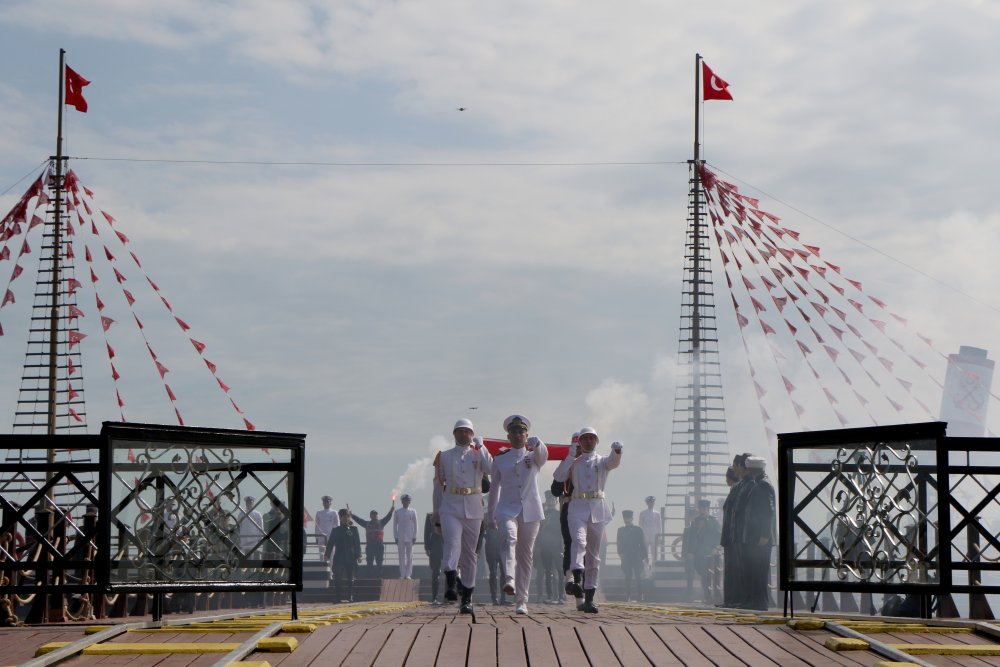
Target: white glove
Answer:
pixel 532 443
pixel 616 447
pixel 477 441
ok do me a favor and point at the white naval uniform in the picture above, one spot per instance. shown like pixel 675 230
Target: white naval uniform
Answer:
pixel 251 529
pixel 404 531
pixel 326 520
pixel 587 516
pixel 516 508
pixel 649 521
pixel 458 502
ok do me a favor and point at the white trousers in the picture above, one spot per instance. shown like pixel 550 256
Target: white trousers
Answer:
pixel 518 544
pixel 587 537
pixel 405 550
pixel 460 537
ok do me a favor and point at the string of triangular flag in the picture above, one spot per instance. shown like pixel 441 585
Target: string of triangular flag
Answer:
pixel 793 264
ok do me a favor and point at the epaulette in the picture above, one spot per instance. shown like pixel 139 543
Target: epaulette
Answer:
pixel 502 452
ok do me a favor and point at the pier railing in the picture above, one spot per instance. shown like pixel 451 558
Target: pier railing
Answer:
pixel 148 509
pixel 890 510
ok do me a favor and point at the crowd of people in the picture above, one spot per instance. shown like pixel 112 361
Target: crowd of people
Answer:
pixel 491 507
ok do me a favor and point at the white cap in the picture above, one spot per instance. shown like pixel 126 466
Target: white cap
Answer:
pixel 754 463
pixel 463 423
pixel 585 430
pixel 513 419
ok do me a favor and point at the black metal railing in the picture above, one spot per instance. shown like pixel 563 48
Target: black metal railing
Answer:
pixel 893 510
pixel 153 509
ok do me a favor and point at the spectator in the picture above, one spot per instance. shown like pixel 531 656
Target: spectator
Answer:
pixel 375 539
pixel 633 554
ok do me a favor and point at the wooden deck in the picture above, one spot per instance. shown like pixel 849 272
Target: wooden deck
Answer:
pixel 387 634
pixel 558 635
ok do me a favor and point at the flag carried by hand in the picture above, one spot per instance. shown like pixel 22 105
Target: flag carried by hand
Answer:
pixel 713 87
pixel 74 90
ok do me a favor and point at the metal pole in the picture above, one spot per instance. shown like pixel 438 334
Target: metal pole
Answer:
pixel 56 238
pixel 696 288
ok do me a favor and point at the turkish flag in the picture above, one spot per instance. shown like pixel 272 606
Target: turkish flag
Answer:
pixel 713 88
pixel 495 446
pixel 74 90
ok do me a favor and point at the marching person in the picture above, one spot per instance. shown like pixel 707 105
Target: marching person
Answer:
pixel 649 521
pixel 458 509
pixel 757 535
pixel 633 554
pixel 588 511
pixel 515 506
pixel 404 531
pixel 563 491
pixel 374 538
pixel 344 544
pixel 326 520
pixel 433 549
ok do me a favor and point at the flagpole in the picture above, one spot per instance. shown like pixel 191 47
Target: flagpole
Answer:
pixel 696 260
pixel 56 238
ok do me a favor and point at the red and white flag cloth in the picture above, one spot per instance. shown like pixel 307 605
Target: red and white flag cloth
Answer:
pixel 713 87
pixel 74 90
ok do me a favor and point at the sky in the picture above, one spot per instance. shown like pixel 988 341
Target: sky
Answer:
pixel 367 263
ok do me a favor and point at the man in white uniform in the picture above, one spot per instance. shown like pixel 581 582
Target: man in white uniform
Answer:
pixel 588 511
pixel 251 526
pixel 326 520
pixel 404 531
pixel 458 509
pixel 515 507
pixel 649 521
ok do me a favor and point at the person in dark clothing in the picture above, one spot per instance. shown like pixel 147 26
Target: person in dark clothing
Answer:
pixel 757 535
pixel 732 593
pixel 433 547
pixel 548 553
pixel 563 491
pixel 494 561
pixel 701 539
pixel 375 539
pixel 633 554
pixel 344 543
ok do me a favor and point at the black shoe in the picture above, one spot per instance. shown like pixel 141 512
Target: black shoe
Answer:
pixel 588 605
pixel 575 587
pixel 466 607
pixel 451 578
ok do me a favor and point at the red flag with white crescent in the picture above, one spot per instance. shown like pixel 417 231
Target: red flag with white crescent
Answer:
pixel 713 86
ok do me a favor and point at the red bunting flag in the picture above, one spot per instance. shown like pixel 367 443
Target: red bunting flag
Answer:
pixel 73 413
pixel 74 90
pixel 713 87
pixel 8 298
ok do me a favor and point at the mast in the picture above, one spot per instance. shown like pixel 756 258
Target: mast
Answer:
pixel 56 252
pixel 699 449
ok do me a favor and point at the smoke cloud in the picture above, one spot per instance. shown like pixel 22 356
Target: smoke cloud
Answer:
pixel 418 474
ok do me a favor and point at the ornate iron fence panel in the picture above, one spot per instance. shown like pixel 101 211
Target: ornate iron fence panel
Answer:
pixel 861 510
pixel 49 528
pixel 973 487
pixel 203 509
pixel 153 508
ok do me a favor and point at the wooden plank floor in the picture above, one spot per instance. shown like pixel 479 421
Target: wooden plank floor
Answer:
pixel 557 636
pixel 389 635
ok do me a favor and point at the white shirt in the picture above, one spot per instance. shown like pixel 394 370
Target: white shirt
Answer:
pixel 461 467
pixel 404 524
pixel 513 488
pixel 251 528
pixel 649 521
pixel 326 520
pixel 589 473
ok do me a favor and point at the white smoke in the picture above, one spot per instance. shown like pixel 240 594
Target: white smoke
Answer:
pixel 418 474
pixel 614 403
